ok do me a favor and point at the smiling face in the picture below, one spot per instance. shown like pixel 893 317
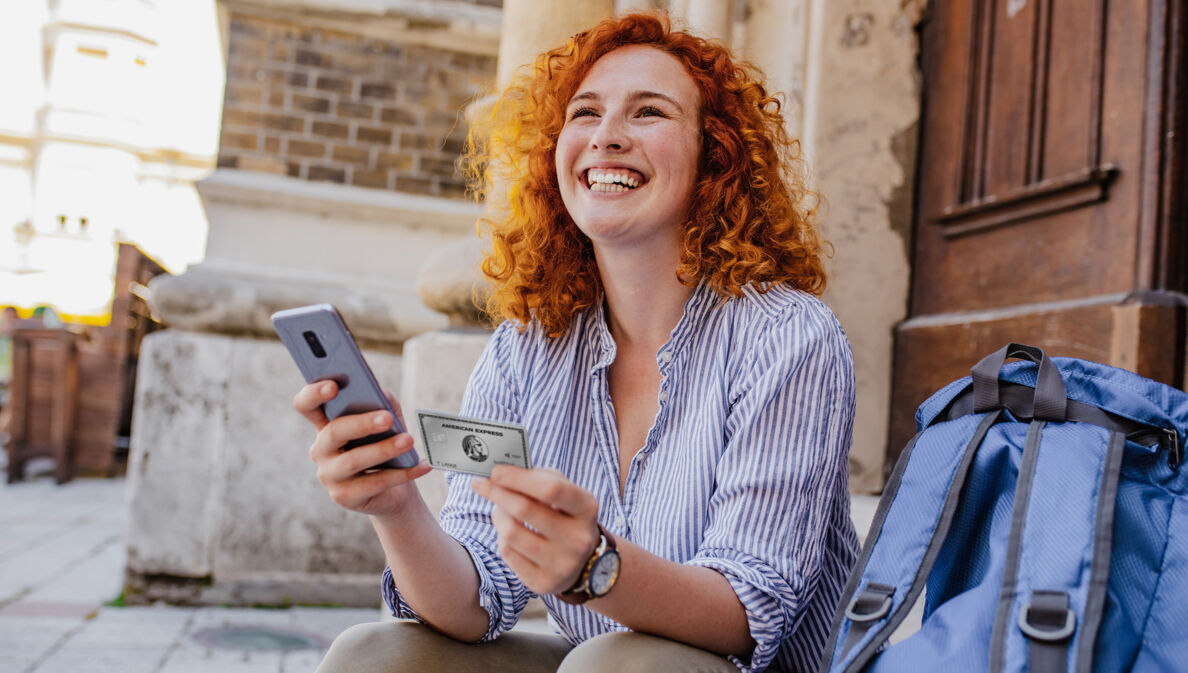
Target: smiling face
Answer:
pixel 627 156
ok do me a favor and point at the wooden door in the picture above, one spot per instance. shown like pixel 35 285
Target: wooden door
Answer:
pixel 1050 193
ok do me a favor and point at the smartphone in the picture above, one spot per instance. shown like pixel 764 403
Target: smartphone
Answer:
pixel 323 348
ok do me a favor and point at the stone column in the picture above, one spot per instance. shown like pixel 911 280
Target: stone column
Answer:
pixel 532 26
pixel 450 281
pixel 851 92
pixel 775 39
pixel 712 19
pixel 438 364
pixel 862 107
pixel 627 6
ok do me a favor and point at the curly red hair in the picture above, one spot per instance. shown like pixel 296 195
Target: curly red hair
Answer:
pixel 751 217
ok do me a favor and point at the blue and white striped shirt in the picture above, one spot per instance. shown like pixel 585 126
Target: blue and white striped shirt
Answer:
pixel 744 470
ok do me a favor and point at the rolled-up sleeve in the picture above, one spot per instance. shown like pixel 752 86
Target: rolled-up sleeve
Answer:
pixel 780 475
pixel 466 517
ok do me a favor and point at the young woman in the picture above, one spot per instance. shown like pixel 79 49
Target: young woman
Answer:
pixel 688 399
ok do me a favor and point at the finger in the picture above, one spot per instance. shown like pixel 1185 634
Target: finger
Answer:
pixel 347 464
pixel 344 429
pixel 309 400
pixel 547 486
pixel 517 541
pixel 332 439
pixel 336 433
pixel 358 491
pixel 561 546
pixel 541 516
pixel 545 567
pixel 528 571
pixel 513 534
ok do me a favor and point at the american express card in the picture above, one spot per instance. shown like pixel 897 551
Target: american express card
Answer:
pixel 471 445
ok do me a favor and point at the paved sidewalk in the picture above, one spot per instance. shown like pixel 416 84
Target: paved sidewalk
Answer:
pixel 62 564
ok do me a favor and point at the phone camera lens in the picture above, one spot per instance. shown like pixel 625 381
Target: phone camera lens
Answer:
pixel 314 344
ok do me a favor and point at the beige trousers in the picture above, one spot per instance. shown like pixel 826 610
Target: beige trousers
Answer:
pixel 396 647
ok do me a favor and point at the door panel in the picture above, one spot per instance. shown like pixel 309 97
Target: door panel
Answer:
pixel 1049 189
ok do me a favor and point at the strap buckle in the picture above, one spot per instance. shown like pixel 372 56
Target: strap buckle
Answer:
pixel 1046 630
pixel 1164 437
pixel 1175 452
pixel 870 604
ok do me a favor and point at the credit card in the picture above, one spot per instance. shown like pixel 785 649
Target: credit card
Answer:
pixel 471 445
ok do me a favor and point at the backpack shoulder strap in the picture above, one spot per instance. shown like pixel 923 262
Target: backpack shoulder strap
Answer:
pixel 1054 584
pixel 918 503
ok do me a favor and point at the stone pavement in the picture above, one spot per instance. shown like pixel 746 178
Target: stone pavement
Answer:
pixel 61 569
pixel 61 564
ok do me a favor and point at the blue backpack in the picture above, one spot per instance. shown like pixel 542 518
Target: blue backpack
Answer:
pixel 1043 507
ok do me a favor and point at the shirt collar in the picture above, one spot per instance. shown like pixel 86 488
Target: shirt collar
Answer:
pixel 697 308
pixel 598 335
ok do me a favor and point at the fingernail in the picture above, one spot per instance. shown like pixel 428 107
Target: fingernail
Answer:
pixel 325 388
pixel 378 420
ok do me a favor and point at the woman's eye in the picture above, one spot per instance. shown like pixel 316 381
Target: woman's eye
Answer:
pixel 651 112
pixel 581 112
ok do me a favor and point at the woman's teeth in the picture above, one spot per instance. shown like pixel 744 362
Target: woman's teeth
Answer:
pixel 612 181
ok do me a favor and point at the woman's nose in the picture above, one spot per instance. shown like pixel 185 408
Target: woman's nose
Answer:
pixel 611 135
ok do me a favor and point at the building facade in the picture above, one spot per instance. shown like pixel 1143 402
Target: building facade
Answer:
pixel 110 114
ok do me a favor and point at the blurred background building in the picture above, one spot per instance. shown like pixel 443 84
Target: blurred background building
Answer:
pixel 110 114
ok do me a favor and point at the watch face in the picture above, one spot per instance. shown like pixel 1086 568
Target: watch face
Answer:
pixel 604 573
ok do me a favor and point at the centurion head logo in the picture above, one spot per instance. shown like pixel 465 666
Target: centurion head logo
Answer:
pixel 475 448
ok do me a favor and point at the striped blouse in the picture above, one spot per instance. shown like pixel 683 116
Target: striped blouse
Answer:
pixel 744 469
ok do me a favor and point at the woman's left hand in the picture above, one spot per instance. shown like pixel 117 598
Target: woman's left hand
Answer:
pixel 547 525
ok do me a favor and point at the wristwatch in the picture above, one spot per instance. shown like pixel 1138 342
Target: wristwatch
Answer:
pixel 599 575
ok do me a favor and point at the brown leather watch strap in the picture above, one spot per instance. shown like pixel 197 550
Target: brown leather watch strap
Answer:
pixel 580 591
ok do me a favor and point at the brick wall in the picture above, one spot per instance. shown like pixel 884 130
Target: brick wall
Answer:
pixel 333 106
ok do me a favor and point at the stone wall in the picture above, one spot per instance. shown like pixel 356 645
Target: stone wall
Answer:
pixel 323 104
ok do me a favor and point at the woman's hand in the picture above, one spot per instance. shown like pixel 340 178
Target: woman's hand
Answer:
pixel 547 525
pixel 382 492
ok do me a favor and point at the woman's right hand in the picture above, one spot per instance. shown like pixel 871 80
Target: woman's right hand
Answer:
pixel 382 492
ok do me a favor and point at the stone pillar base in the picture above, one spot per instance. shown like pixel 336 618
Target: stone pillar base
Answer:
pixel 258 589
pixel 224 506
pixel 437 366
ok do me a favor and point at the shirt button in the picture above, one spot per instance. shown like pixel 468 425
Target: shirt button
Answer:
pixel 620 523
pixel 665 357
pixel 663 395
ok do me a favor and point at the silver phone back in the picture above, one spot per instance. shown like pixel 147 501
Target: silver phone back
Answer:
pixel 339 360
